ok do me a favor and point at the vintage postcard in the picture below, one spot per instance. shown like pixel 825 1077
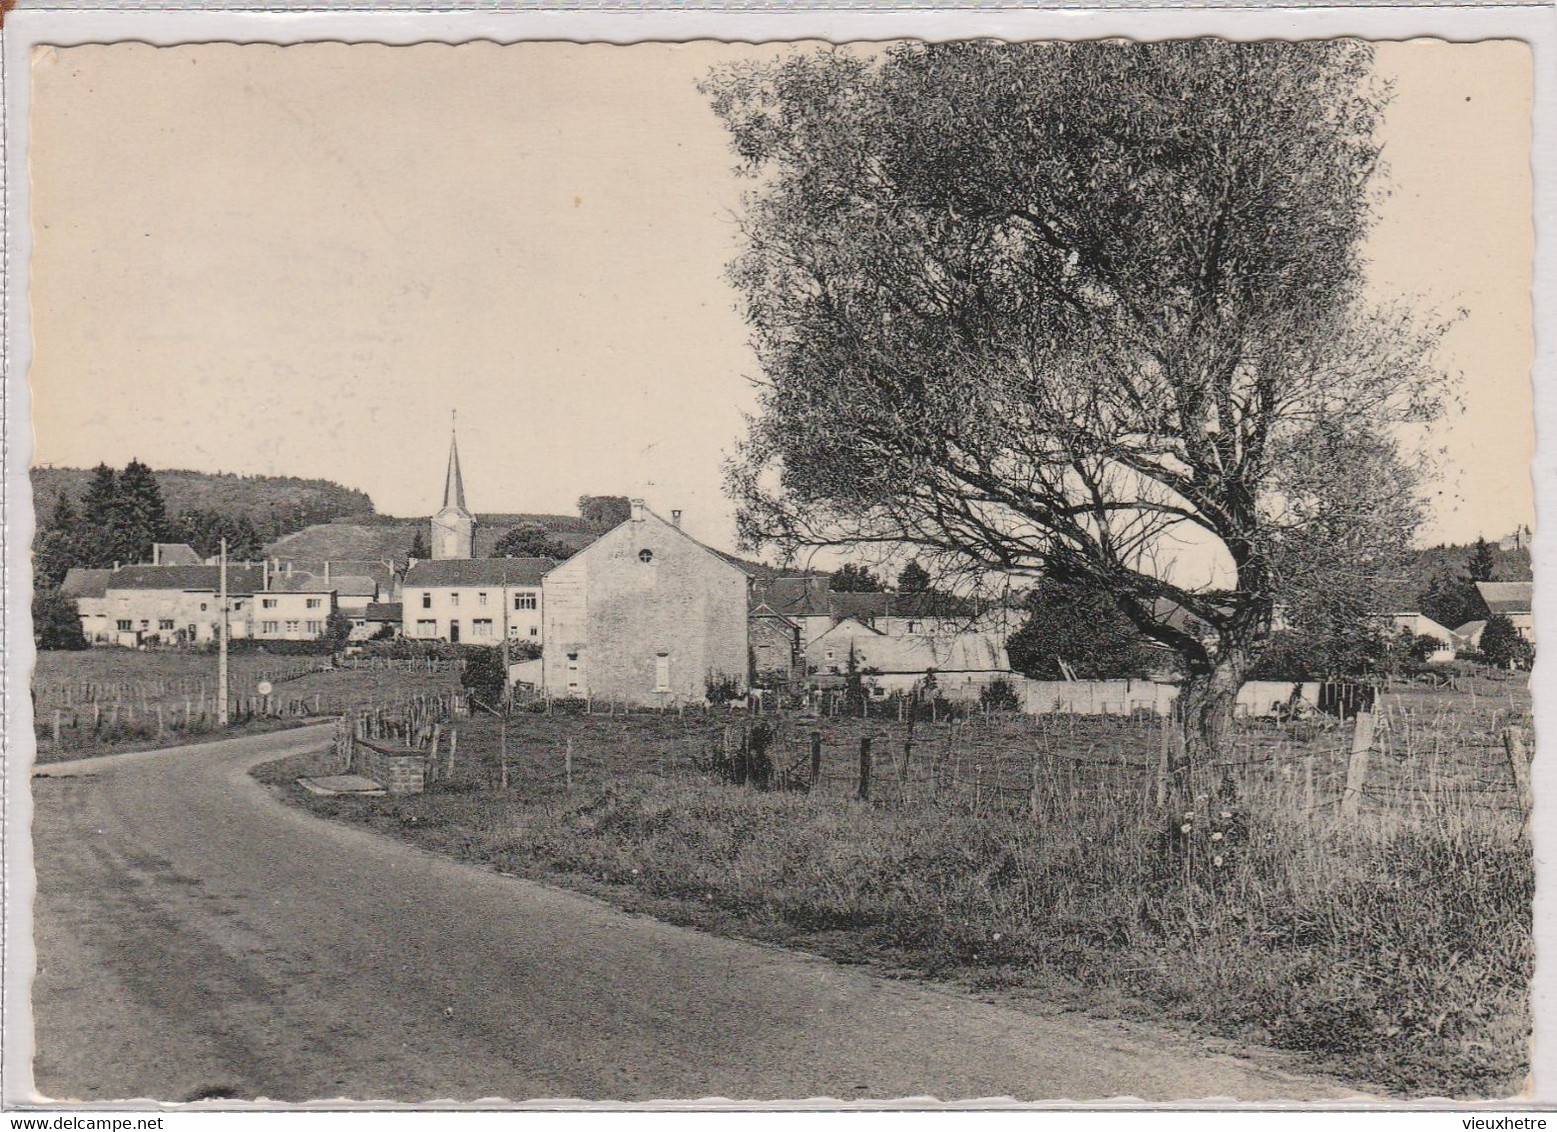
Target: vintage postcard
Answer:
pixel 781 570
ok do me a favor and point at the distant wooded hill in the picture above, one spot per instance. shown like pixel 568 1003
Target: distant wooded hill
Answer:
pixel 276 505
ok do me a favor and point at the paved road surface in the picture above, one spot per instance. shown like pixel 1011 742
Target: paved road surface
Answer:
pixel 199 938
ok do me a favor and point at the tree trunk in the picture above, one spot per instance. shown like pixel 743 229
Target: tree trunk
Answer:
pixel 1205 709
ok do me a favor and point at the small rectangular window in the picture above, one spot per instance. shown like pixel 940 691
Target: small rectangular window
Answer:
pixel 291 626
pixel 481 627
pixel 662 672
pixel 454 598
pixel 481 598
pixel 124 626
pixel 313 602
pixel 426 600
pixel 525 600
pixel 427 628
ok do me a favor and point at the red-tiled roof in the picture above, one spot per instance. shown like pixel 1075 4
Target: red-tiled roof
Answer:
pixel 445 572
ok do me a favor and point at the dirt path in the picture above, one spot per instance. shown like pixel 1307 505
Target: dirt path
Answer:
pixel 199 938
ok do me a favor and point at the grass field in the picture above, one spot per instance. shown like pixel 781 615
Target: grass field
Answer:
pixel 108 700
pixel 1028 858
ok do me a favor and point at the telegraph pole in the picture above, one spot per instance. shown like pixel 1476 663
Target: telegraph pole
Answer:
pixel 502 734
pixel 221 649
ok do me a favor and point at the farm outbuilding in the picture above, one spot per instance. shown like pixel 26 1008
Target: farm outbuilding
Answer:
pixel 644 615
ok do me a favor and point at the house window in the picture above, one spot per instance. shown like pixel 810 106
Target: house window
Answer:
pixel 124 626
pixel 268 603
pixel 426 600
pixel 202 607
pixel 646 555
pixel 427 628
pixel 525 600
pixel 454 598
pixel 534 632
pixel 313 602
pixel 270 626
pixel 165 624
pixel 662 672
pixel 481 627
pixel 292 627
pixel 145 624
pixel 314 627
pixel 481 598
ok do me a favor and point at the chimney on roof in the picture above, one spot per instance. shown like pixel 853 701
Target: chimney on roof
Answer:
pixel 327 573
pixel 675 518
pixel 289 567
pixel 265 574
pixel 637 510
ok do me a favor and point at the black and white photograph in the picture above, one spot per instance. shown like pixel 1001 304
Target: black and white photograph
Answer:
pixel 778 572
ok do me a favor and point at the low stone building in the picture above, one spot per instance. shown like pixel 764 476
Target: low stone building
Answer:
pixel 644 615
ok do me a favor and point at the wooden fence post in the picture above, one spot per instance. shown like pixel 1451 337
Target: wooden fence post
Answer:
pixel 1357 766
pixel 865 767
pixel 567 766
pixel 1164 757
pixel 816 759
pixel 1519 767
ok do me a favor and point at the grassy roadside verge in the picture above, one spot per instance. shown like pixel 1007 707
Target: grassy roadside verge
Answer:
pixel 1395 955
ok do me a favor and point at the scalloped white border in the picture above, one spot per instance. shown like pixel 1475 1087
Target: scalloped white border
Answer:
pixel 623 23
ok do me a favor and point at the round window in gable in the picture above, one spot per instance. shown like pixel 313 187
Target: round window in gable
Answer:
pixel 646 555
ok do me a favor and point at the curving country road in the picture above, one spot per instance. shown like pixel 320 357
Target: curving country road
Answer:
pixel 199 938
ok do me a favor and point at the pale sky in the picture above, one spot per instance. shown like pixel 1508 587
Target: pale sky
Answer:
pixel 298 260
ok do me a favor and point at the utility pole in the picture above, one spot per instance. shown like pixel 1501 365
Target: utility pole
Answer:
pixel 502 732
pixel 221 652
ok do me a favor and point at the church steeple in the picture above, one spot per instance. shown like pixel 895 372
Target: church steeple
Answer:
pixel 453 485
pixel 453 527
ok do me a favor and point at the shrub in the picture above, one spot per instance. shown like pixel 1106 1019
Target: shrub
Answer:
pixel 721 689
pixel 999 695
pixel 56 621
pixel 483 675
pixel 1502 645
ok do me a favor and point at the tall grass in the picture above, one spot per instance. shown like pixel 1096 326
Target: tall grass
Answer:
pixel 1394 950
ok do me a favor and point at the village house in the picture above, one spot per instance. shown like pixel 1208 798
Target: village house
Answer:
pixel 176 604
pixel 776 657
pixel 471 600
pixel 644 615
pixel 1421 625
pixel 294 606
pixel 375 618
pixel 1509 599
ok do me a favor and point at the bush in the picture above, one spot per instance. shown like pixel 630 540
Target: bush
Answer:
pixel 1502 645
pixel 56 621
pixel 999 695
pixel 483 675
pixel 721 689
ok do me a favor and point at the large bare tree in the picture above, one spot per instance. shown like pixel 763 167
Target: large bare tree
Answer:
pixel 1059 309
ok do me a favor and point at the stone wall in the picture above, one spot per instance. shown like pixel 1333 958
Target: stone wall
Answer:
pixel 397 769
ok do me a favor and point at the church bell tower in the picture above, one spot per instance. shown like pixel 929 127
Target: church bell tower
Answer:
pixel 453 527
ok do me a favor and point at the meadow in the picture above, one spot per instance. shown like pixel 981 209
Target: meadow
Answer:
pixel 101 701
pixel 1029 858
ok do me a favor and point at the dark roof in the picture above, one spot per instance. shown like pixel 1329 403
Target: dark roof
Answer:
pixel 1506 597
pixel 861 607
pixel 793 597
pixel 175 554
pixel 385 611
pixel 83 581
pixel 298 582
pixel 354 585
pixel 240 579
pixel 478 572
